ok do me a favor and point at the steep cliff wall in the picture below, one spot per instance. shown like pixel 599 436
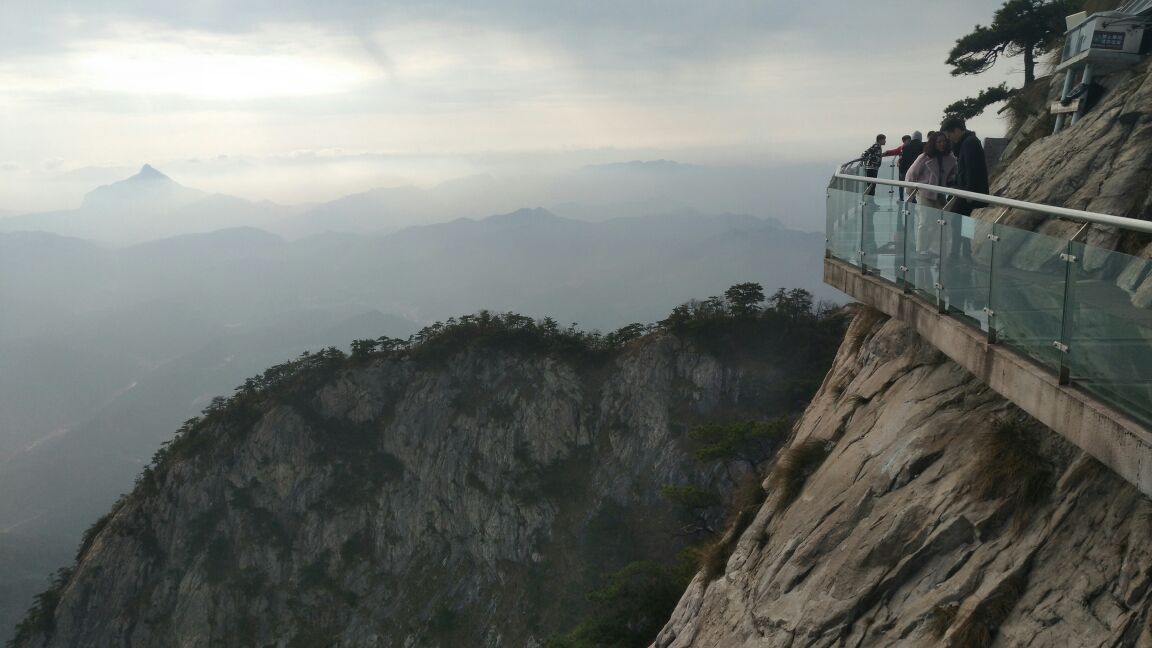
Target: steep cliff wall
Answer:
pixel 1103 163
pixel 941 516
pixel 471 495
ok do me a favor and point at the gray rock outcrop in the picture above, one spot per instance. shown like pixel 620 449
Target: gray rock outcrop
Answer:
pixel 472 498
pixel 941 516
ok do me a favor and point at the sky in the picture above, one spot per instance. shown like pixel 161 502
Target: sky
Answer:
pixel 302 101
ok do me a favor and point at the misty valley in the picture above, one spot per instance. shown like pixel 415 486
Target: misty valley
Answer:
pixel 130 314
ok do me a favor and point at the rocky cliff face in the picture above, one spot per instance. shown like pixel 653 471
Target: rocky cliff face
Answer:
pixel 1103 163
pixel 941 516
pixel 472 497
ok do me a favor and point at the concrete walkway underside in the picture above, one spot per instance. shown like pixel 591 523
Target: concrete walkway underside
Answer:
pixel 1117 440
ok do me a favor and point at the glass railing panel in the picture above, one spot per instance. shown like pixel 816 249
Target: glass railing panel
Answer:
pixel 830 209
pixel 843 223
pixel 889 170
pixel 964 268
pixel 883 223
pixel 1110 337
pixel 923 235
pixel 1027 295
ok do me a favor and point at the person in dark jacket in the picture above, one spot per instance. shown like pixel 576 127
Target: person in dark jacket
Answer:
pixel 971 172
pixel 870 160
pixel 971 167
pixel 908 154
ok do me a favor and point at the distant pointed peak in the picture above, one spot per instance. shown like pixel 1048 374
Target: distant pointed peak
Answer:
pixel 149 172
pixel 147 185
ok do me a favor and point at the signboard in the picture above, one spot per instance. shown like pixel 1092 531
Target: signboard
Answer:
pixel 1108 40
pixel 1058 108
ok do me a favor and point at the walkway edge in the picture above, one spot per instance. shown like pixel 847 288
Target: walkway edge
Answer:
pixel 1116 440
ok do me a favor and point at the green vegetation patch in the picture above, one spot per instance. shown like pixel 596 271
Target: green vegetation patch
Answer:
pixel 631 606
pixel 41 617
pixel 750 442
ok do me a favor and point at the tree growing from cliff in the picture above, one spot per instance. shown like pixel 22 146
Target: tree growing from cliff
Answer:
pixel 972 106
pixel 744 298
pixel 631 606
pixel 1025 28
pixel 795 304
pixel 698 506
pixel 748 442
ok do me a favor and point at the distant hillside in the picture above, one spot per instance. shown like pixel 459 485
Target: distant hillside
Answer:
pixel 144 207
pixel 134 340
pixel 150 205
pixel 470 487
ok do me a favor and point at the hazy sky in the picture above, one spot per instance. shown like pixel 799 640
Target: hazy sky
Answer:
pixel 295 100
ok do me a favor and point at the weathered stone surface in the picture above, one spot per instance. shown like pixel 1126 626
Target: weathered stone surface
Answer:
pixel 890 545
pixel 1135 270
pixel 471 501
pixel 1102 164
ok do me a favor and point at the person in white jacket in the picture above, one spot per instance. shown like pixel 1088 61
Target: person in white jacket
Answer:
pixel 935 166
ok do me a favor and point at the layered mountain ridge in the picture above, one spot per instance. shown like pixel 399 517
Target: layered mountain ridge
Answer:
pixel 471 489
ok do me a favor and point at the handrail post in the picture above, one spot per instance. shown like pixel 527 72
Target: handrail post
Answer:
pixel 863 230
pixel 1066 318
pixel 828 223
pixel 1068 314
pixel 905 213
pixel 990 309
pixel 942 222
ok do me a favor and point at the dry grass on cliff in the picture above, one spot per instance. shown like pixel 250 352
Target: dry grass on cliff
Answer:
pixel 867 319
pixel 978 629
pixel 1011 468
pixel 794 468
pixel 747 498
pixel 942 617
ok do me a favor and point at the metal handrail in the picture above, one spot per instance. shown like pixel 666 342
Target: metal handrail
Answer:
pixel 1076 214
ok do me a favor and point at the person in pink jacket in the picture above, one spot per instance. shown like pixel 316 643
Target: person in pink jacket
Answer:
pixel 935 166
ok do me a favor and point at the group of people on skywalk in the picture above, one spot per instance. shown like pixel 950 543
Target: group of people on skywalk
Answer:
pixel 952 157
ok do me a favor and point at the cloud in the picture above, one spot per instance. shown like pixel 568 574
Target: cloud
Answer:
pixel 121 82
pixel 142 60
pixel 658 30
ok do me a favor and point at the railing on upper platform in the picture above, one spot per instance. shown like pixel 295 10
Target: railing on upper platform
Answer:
pixel 1083 311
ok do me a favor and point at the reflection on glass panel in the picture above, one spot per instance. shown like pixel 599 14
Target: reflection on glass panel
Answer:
pixel 883 223
pixel 1028 292
pixel 1110 340
pixel 964 268
pixel 923 234
pixel 844 225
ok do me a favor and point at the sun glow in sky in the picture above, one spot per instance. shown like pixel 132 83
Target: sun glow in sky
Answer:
pixel 229 94
pixel 165 69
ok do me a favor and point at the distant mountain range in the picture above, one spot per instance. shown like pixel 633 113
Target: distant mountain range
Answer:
pixel 150 205
pixel 105 349
pixel 144 207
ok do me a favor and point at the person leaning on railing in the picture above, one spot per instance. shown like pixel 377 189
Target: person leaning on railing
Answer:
pixel 935 166
pixel 971 173
pixel 871 161
pixel 906 154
